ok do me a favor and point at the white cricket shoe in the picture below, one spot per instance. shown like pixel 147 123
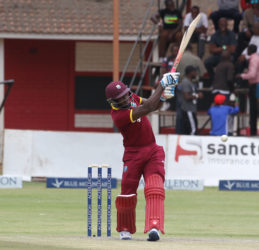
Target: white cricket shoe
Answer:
pixel 153 235
pixel 124 235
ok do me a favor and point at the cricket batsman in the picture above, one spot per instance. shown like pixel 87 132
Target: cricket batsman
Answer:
pixel 142 156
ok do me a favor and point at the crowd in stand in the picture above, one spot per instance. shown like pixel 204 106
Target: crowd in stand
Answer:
pixel 232 61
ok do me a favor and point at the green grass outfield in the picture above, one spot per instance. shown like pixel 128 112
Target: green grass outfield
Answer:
pixel 38 218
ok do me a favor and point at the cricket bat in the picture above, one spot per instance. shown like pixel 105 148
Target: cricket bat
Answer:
pixel 185 40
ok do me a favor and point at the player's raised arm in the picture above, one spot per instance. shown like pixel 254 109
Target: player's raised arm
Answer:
pixel 152 103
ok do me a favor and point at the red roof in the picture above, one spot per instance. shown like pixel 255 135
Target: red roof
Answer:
pixel 72 17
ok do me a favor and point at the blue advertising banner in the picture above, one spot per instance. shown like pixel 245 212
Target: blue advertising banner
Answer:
pixel 76 183
pixel 239 185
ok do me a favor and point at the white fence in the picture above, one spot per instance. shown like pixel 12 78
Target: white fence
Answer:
pixel 68 154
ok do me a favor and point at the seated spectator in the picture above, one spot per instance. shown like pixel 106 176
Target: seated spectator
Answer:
pixel 229 10
pixel 200 33
pixel 245 4
pixel 251 16
pixel 189 102
pixel 223 82
pixel 187 57
pixel 171 28
pixel 168 62
pixel 219 115
pixel 253 78
pixel 221 40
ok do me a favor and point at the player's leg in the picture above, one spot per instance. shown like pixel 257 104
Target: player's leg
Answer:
pixel 154 193
pixel 126 215
pixel 127 200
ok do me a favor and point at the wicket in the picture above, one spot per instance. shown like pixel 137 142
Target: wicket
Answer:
pixel 99 199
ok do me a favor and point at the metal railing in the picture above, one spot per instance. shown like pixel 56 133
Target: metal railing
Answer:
pixel 139 70
pixel 9 84
pixel 139 67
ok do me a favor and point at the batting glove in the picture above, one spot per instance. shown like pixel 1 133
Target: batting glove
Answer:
pixel 168 93
pixel 170 79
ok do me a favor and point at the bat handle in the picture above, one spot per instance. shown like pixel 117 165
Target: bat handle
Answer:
pixel 173 70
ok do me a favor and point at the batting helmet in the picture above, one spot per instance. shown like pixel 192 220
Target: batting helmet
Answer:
pixel 114 91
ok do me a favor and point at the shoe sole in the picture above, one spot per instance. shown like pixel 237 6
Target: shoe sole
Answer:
pixel 126 238
pixel 153 236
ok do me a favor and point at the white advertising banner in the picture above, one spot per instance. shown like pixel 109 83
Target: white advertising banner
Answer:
pixel 68 154
pixel 210 159
pixel 59 154
pixel 62 154
pixel 10 181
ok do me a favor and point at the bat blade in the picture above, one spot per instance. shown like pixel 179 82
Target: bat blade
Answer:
pixel 185 40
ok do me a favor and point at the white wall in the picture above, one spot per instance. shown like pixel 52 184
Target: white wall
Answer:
pixel 68 154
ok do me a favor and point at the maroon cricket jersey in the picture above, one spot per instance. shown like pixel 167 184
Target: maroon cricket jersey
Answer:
pixel 135 133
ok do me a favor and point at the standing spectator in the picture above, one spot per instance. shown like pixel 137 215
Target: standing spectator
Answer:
pixel 223 82
pixel 231 102
pixel 189 102
pixel 254 40
pixel 142 156
pixel 221 40
pixel 219 115
pixel 228 9
pixel 187 57
pixel 251 16
pixel 253 78
pixel 200 33
pixel 242 61
pixel 171 27
pixel 257 97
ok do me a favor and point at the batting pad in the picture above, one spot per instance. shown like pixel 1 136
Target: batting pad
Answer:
pixel 155 196
pixel 126 213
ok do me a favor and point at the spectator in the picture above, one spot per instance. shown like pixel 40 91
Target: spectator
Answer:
pixel 189 101
pixel 232 102
pixel 253 78
pixel 228 9
pixel 223 82
pixel 257 97
pixel 221 40
pixel 196 62
pixel 189 57
pixel 168 62
pixel 251 16
pixel 199 35
pixel 245 4
pixel 242 61
pixel 219 115
pixel 171 29
pixel 254 40
pixel 166 67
